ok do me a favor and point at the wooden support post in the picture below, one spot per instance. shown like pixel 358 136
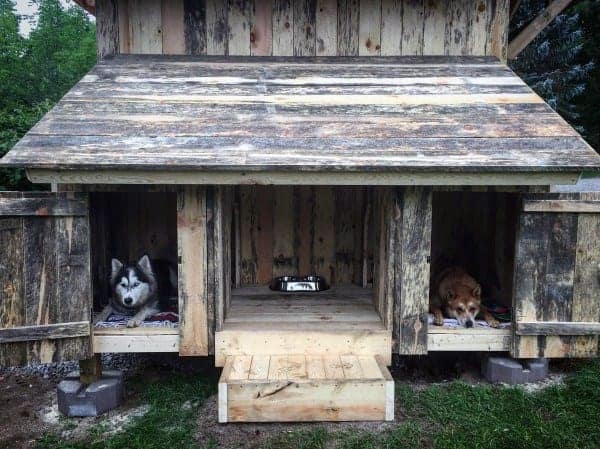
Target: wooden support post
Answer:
pixel 90 370
pixel 530 32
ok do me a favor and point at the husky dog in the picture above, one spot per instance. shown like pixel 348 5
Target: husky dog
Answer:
pixel 459 296
pixel 139 289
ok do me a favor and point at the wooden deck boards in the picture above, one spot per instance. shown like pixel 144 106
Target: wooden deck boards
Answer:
pixel 398 114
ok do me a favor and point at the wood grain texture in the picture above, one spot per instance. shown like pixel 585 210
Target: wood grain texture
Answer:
pixel 261 35
pixel 192 248
pixel 554 271
pixel 415 114
pixel 287 393
pixel 107 28
pixel 45 279
pixel 321 27
pixel 145 26
pixel 173 27
pixel 412 285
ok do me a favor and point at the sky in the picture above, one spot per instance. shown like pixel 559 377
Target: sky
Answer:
pixel 28 8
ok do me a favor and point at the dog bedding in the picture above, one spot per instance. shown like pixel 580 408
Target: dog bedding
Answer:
pixel 162 319
pixel 453 322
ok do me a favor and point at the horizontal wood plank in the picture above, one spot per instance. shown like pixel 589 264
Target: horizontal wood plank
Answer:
pixel 45 332
pixel 557 328
pixel 50 205
pixel 563 206
pixel 333 114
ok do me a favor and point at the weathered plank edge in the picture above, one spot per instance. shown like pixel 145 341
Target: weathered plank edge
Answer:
pixel 45 332
pixel 301 178
pixel 557 328
pixel 577 206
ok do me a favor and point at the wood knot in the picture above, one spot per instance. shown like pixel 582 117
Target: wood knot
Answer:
pixel 368 43
pixel 481 7
pixel 252 37
pixel 287 24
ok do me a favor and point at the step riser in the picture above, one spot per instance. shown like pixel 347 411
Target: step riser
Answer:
pixel 296 387
pixel 367 343
pixel 315 401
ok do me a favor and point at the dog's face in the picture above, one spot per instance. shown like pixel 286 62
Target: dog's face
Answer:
pixel 132 285
pixel 463 304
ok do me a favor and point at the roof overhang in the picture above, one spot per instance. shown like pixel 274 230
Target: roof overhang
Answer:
pixel 215 120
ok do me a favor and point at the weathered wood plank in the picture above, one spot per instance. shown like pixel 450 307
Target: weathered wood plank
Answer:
pixel 369 28
pixel 239 24
pixel 412 284
pixel 195 27
pixel 433 23
pixel 283 28
pixel 44 332
pixel 557 328
pixel 123 17
pixel 191 237
pixel 304 27
pixel 58 205
pixel 217 39
pixel 107 28
pixel 412 27
pixel 283 261
pixel 261 35
pixel 391 27
pixel 173 27
pixel 497 31
pixel 566 206
pixel 348 27
pixel 326 22
pixel 145 26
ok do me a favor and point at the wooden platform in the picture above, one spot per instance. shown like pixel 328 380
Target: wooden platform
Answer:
pixel 339 321
pixel 264 388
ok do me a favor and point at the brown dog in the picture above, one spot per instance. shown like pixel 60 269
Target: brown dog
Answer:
pixel 458 296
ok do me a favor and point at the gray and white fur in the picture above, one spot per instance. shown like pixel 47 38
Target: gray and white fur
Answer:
pixel 139 289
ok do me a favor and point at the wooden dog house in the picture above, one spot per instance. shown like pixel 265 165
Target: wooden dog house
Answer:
pixel 366 141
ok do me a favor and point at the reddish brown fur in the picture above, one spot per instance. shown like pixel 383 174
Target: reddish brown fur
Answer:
pixel 458 295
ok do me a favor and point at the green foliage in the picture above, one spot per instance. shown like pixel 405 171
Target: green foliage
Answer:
pixel 36 71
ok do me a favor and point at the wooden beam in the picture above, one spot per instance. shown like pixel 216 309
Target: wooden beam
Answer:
pixel 530 32
pixel 564 206
pixel 514 7
pixel 45 332
pixel 298 178
pixel 43 207
pixel 90 370
pixel 557 328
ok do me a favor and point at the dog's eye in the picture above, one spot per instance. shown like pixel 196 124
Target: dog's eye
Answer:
pixel 123 284
pixel 136 284
pixel 461 309
pixel 472 309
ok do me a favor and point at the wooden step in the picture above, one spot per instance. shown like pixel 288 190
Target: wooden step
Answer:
pixel 271 388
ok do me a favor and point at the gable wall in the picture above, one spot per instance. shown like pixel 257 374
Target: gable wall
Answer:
pixel 303 27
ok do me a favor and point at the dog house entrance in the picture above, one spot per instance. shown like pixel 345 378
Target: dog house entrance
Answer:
pixel 126 226
pixel 298 231
pixel 476 231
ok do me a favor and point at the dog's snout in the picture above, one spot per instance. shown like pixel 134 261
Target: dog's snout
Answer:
pixel 128 300
pixel 469 323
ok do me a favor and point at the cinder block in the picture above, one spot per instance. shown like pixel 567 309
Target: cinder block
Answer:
pixel 76 399
pixel 514 372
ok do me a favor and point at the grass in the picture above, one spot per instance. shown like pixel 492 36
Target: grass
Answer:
pixel 449 416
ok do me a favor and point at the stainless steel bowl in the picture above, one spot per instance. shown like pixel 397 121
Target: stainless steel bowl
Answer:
pixel 311 283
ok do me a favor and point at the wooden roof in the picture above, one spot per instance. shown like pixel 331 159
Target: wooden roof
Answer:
pixel 376 115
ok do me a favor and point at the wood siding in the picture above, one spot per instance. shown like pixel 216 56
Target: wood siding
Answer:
pixel 305 27
pixel 557 280
pixel 45 288
pixel 300 231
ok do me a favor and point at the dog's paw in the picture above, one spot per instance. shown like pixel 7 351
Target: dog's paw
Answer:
pixel 493 322
pixel 438 320
pixel 133 323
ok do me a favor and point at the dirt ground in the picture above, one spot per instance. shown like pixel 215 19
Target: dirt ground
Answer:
pixel 28 408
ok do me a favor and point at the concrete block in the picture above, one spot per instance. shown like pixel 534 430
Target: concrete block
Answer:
pixel 514 372
pixel 76 399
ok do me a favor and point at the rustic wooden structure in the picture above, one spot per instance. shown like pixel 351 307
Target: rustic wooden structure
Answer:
pixel 372 143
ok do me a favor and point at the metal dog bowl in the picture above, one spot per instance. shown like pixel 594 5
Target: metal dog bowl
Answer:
pixel 310 283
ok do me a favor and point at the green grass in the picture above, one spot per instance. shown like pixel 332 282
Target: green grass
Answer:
pixel 448 416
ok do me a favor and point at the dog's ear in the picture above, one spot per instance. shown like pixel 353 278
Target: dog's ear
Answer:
pixel 116 266
pixel 477 291
pixel 145 265
pixel 449 295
